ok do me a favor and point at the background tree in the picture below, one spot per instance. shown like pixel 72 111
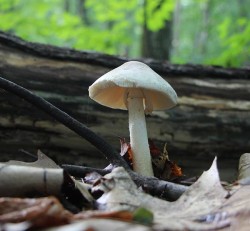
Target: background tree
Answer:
pixel 157 37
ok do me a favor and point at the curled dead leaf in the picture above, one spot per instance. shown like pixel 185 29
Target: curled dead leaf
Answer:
pixel 163 167
pixel 126 152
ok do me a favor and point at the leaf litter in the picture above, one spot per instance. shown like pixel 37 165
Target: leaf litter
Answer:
pixel 206 205
pixel 163 167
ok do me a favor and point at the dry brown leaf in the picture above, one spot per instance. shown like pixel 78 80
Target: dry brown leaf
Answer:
pixel 236 209
pixel 120 193
pixel 126 152
pixel 42 212
pixel 204 197
pixel 154 150
pixel 244 167
pixel 204 206
pixel 119 215
pixel 176 171
pixel 42 161
pixel 163 167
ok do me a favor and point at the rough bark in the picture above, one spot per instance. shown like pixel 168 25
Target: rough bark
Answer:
pixel 212 117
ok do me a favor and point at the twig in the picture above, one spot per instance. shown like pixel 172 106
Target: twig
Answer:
pixel 81 171
pixel 160 188
pixel 34 157
pixel 109 152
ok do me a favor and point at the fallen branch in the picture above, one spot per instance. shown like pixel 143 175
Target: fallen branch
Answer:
pixel 160 188
pixel 80 171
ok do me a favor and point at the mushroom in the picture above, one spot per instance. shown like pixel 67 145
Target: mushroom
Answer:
pixel 135 87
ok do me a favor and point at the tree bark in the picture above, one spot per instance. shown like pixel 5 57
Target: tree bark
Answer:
pixel 212 117
pixel 156 44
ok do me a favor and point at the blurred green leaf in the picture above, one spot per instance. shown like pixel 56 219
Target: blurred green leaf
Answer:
pixel 143 216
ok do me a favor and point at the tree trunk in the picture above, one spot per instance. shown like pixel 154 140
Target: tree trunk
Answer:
pixel 156 44
pixel 212 116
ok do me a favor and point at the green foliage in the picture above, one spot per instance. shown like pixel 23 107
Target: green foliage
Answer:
pixel 158 15
pixel 202 33
pixel 113 19
pixel 114 26
pixel 41 21
pixel 213 32
pixel 236 45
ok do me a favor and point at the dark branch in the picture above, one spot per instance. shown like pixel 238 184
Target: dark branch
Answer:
pixel 109 152
pixel 160 188
pixel 80 171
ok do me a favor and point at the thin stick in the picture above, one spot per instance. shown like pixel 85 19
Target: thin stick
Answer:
pixel 81 171
pixel 108 151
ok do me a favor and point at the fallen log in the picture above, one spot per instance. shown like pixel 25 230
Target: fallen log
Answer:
pixel 212 117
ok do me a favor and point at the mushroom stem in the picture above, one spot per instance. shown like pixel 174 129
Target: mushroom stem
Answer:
pixel 138 133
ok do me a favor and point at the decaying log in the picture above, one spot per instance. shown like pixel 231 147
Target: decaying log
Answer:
pixel 74 125
pixel 212 117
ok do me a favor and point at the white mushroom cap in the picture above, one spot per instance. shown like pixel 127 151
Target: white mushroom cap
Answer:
pixel 110 89
pixel 136 87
